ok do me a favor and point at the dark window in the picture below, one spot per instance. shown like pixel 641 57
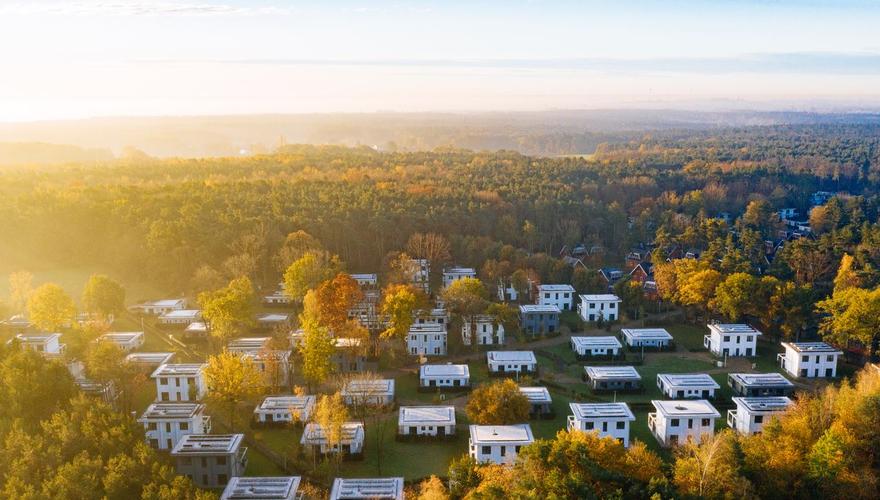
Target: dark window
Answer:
pixel 487 450
pixel 184 426
pixel 759 419
pixel 706 422
pixel 503 451
pixel 673 422
pixel 621 425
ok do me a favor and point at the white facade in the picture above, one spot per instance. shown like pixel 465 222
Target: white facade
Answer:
pixel 498 444
pixel 434 421
pixel 561 296
pixel 606 419
pixel 687 385
pixel 487 332
pixel 276 298
pixel 453 274
pixel 539 400
pixel 159 307
pixel 166 423
pixel 751 414
pixel 180 382
pixel 612 378
pixel 759 384
pixel 365 280
pixel 428 339
pixel 127 341
pixel 376 392
pixel 732 340
pixel 596 346
pixel 438 316
pixel 262 488
pixel 284 409
pixel 420 274
pixel 47 344
pixel 646 337
pixel 378 488
pixel 674 422
pixel 809 359
pixel 272 320
pixel 180 317
pixel 444 376
pixel 352 439
pixel 512 361
pixel 274 364
pixel 595 307
pixel 210 460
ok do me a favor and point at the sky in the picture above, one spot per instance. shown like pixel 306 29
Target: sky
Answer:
pixel 88 58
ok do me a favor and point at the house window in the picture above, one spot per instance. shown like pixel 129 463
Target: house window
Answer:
pixel 611 305
pixel 588 426
pixel 805 358
pixel 503 451
pixel 163 380
pixel 830 358
pixel 621 425
pixel 487 450
pixel 727 338
pixel 221 460
pixel 706 422
pixel 673 422
pixel 151 426
pixel 592 305
pixel 759 419
pixel 184 426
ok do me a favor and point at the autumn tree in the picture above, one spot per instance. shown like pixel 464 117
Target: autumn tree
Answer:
pixel 742 294
pixel 317 346
pixel 295 245
pixel 851 314
pixel 331 414
pixel 229 311
pixel 431 246
pixel 710 468
pixel 847 277
pixel 432 489
pixel 632 297
pixel 20 288
pixel 466 298
pixel 498 403
pixel 103 297
pixel 232 379
pixel 50 308
pixel 32 388
pixel 399 304
pixel 334 298
pixel 308 271
pixel 698 288
pixel 105 363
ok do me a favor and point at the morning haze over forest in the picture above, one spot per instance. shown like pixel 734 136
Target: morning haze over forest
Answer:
pixel 429 250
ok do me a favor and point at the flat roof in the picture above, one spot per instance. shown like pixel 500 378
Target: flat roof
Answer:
pixel 585 411
pixel 536 394
pixel 426 415
pixel 172 411
pixel 247 344
pixel 811 347
pixel 688 380
pixel 538 308
pixel 771 379
pixel 271 403
pixel 208 444
pixel 179 370
pixel 162 303
pixel 606 342
pixel 182 313
pixel 261 488
pixel 197 326
pixel 384 488
pixel 150 358
pixel 612 372
pixel 733 329
pixel 646 333
pixel 459 270
pixel 314 433
pixel 602 297
pixel 686 408
pixel 37 338
pixel 273 317
pixel 506 356
pixel 428 328
pixel 364 276
pixel 121 336
pixel 383 386
pixel 489 434
pixel 444 371
pixel 556 288
pixel 763 404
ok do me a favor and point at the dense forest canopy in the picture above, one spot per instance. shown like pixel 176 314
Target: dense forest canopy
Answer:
pixel 160 220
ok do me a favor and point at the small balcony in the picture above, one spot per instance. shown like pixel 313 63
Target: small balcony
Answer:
pixel 206 424
pixel 780 359
pixel 731 419
pixel 242 458
pixel 707 341
pixel 572 424
pixel 652 422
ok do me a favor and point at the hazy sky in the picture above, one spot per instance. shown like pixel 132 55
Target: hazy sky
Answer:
pixel 65 59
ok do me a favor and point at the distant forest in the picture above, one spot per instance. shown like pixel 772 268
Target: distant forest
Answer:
pixel 159 221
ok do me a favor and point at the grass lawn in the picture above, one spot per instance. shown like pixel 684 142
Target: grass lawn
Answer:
pixel 688 336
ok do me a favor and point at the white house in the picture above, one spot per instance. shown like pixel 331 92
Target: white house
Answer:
pixel 47 344
pixel 180 317
pixel 687 385
pixel 247 344
pixel 760 384
pixel 751 414
pixel 284 409
pixel 592 347
pixel 656 338
pixel 731 340
pixel 274 364
pixel 438 316
pixel 166 423
pixel 444 376
pixel 604 306
pixel 612 378
pixel 498 444
pixel 127 341
pixel 488 333
pixel 428 339
pixel 607 419
pixel 561 296
pixel 366 280
pixel 374 488
pixel 210 460
pixel 432 421
pixel 351 442
pixel 180 382
pixel 377 392
pixel 675 422
pixel 262 488
pixel 540 402
pixel 268 321
pixel 149 359
pixel 160 307
pixel 278 298
pixel 196 330
pixel 502 362
pixel 420 274
pixel 809 359
pixel 453 274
